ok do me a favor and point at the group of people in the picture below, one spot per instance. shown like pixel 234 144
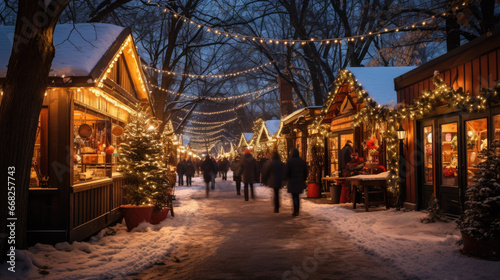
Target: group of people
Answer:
pixel 275 174
pixel 187 168
pixel 247 170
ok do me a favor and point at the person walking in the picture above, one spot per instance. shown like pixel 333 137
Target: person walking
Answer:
pixel 296 175
pixel 237 170
pixel 207 167
pixel 215 169
pixel 272 176
pixel 345 158
pixel 250 173
pixel 189 168
pixel 181 169
pixel 224 167
pixel 262 162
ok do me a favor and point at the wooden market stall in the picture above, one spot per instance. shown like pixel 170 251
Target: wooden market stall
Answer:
pixel 94 83
pixel 354 87
pixel 246 142
pixel 444 142
pixel 296 127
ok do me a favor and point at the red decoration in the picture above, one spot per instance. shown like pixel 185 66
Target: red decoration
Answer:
pixel 448 172
pixel 109 150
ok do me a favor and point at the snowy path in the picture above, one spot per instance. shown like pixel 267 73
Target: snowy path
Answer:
pixel 224 237
pixel 246 240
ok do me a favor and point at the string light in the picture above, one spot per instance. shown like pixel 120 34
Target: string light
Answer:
pixel 126 43
pixel 220 99
pixel 214 123
pixel 197 128
pixel 203 139
pixel 218 112
pixel 99 93
pixel 235 74
pixel 204 133
pixel 270 41
pixel 372 113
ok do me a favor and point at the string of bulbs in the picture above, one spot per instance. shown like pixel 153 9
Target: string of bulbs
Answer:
pixel 273 41
pixel 211 98
pixel 235 74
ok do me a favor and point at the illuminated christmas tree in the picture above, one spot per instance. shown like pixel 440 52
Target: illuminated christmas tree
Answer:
pixel 481 219
pixel 142 162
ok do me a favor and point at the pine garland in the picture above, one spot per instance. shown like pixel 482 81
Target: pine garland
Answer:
pixel 373 113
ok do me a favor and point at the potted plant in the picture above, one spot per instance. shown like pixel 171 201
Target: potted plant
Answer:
pixel 480 221
pixel 314 177
pixel 142 162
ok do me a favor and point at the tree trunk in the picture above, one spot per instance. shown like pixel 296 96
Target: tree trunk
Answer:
pixel 24 88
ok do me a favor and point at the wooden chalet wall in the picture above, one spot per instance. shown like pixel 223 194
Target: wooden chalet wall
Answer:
pixel 472 66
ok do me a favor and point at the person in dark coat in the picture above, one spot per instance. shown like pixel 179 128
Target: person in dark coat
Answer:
pixel 345 158
pixel 189 168
pixel 237 171
pixel 296 175
pixel 181 169
pixel 250 172
pixel 262 162
pixel 215 169
pixel 224 167
pixel 207 167
pixel 272 176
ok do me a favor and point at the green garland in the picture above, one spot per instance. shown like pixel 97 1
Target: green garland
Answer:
pixel 373 113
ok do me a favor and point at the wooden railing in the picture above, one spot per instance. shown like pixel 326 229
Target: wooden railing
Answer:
pixel 94 205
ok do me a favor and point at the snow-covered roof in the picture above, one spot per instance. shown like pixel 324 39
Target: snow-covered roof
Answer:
pixel 248 136
pixel 273 126
pixel 379 81
pixel 297 112
pixel 79 47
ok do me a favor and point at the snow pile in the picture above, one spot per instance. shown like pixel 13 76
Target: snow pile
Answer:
pixel 273 126
pixel 112 253
pixel 422 251
pixel 379 81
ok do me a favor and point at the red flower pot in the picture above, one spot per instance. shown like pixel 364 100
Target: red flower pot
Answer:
pixel 158 217
pixel 134 215
pixel 480 248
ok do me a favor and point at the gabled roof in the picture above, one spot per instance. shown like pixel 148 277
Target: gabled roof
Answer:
pixel 84 52
pixel 245 139
pixel 378 82
pixel 79 47
pixel 375 83
pixel 273 127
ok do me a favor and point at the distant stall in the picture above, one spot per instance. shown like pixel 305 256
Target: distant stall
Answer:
pixel 296 129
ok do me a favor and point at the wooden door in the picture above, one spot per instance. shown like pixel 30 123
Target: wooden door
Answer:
pixel 449 164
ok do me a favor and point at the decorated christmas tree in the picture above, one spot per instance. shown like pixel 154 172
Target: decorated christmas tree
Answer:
pixel 481 219
pixel 314 167
pixel 142 162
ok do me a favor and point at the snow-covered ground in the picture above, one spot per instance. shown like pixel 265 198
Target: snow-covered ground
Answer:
pixel 422 251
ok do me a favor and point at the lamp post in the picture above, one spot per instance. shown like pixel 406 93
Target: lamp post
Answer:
pixel 402 167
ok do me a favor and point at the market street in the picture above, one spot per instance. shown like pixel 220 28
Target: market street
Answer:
pixel 246 240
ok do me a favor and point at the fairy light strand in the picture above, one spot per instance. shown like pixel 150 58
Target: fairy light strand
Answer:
pixel 212 123
pixel 272 41
pixel 218 112
pixel 219 76
pixel 212 98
